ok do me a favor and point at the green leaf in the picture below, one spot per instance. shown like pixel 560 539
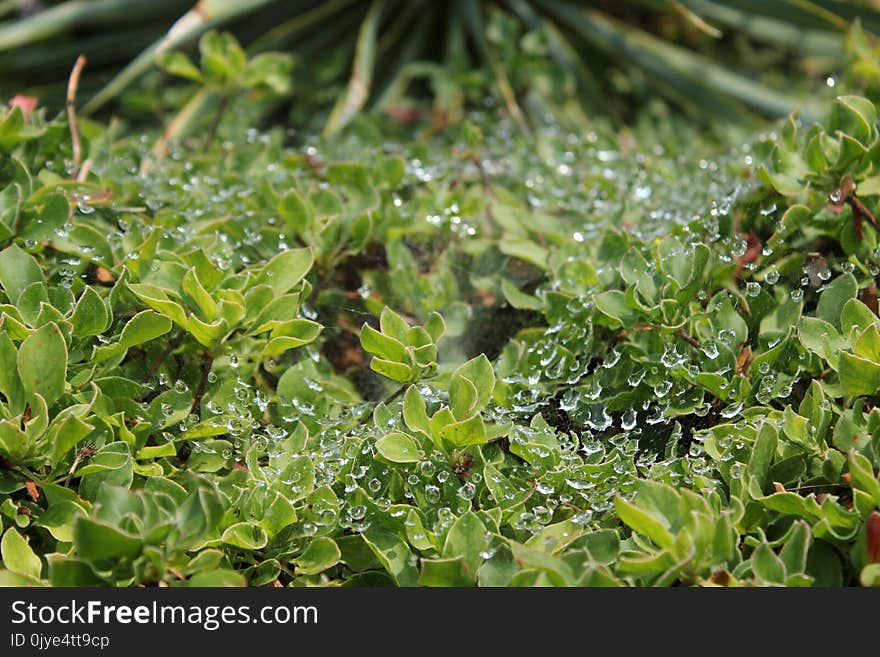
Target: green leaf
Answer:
pixel 856 317
pixel 10 384
pixel 13 442
pixel 634 270
pixel 156 451
pixel 17 271
pixel 269 69
pixel 500 487
pixel 321 554
pixel 42 363
pixel 145 326
pixel 18 555
pixel 223 59
pixel 394 326
pixel 394 555
pixel 415 413
pixel 870 575
pixel 348 174
pixel 602 546
pixel 767 566
pixel 31 302
pixel 419 537
pixel 815 334
pixel 59 519
pixel 66 571
pixel 220 578
pixel 519 299
pixel 291 335
pixel 858 376
pixel 176 63
pixel 207 333
pixel 446 572
pixel 245 535
pixel 96 541
pixel 278 515
pixel 794 218
pixel 763 452
pixel 9 579
pixel 855 116
pixel 297 212
pixel 196 293
pixel 394 371
pixel 467 539
pixel 297 479
pixel 796 549
pixel 525 250
pixel 425 356
pixel 479 372
pixel 90 317
pixel 383 346
pixel 556 571
pixel 639 520
pixel 834 298
pixel 863 476
pixel 435 326
pixel 419 338
pixel 471 431
pixel 389 171
pixel 613 304
pixel 553 538
pixel 462 397
pixel 263 573
pixel 285 270
pixel 398 448
pixel 157 298
pixel 867 345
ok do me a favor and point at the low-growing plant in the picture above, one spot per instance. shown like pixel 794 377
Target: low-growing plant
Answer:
pixel 477 358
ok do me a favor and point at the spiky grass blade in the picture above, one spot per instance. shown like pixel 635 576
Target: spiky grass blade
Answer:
pixel 281 35
pixel 70 15
pixel 695 19
pixel 478 34
pixel 203 16
pixel 358 91
pixel 394 87
pixel 693 76
pixel 771 30
pixel 564 54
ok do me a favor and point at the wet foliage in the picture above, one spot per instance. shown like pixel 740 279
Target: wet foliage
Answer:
pixel 419 357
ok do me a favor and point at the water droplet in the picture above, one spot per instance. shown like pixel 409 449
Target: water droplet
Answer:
pixel 628 420
pixel 432 493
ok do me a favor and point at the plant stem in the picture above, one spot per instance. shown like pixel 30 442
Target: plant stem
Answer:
pixel 365 416
pixel 72 84
pixel 692 341
pixel 215 125
pixel 207 363
pixel 172 345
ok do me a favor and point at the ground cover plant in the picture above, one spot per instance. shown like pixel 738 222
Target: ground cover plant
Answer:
pixel 235 353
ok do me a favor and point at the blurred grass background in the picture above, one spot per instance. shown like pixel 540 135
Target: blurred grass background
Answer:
pixel 727 59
